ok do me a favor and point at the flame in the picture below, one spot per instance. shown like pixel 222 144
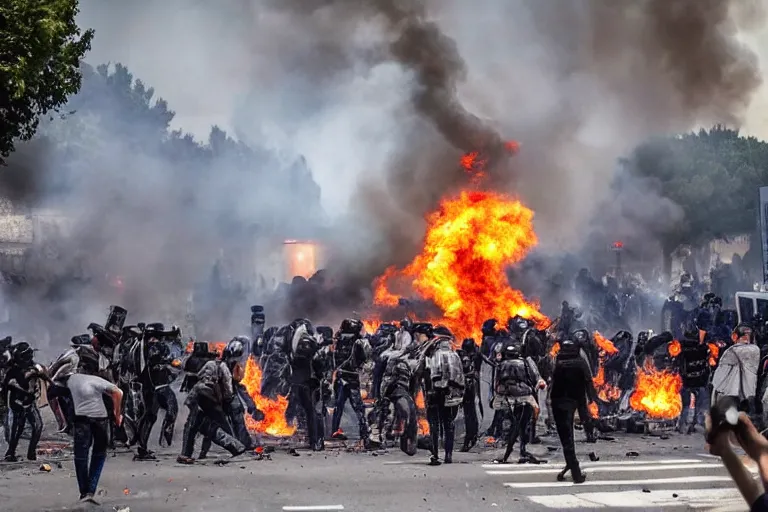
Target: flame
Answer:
pixel 274 410
pixel 555 349
pixel 657 393
pixel 606 391
pixel 714 351
pixel 605 344
pixel 420 411
pixel 370 326
pixel 674 348
pixel 213 346
pixel 593 409
pixel 470 241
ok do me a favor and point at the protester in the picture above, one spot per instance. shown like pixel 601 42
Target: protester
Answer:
pixel 736 374
pixel 91 427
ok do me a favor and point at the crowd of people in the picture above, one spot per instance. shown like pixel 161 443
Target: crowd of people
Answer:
pixel 110 386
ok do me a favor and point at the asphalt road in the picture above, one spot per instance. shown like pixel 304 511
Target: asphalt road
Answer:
pixel 667 474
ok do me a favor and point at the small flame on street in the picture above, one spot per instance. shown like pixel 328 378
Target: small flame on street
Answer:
pixel 714 352
pixel 420 411
pixel 674 348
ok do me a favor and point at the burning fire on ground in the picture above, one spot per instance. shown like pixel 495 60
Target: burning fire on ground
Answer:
pixel 657 393
pixel 274 422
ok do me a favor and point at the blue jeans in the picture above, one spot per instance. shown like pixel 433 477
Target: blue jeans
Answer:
pixel 701 395
pixel 90 432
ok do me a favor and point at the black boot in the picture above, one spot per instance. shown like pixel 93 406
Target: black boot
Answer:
pixel 561 475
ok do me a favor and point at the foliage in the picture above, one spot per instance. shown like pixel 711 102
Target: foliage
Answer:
pixel 40 51
pixel 712 175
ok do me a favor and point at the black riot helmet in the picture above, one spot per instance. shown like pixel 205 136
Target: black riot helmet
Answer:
pixel 643 337
pixel 115 320
pixel 326 332
pixel 80 339
pixel 468 345
pixel 386 329
pixel 236 347
pixel 306 323
pixel 199 348
pixel 580 337
pixel 406 324
pixel 89 359
pixel 623 338
pixel 424 328
pixel 568 350
pixel 23 353
pixel 518 324
pixel 489 327
pixel 442 330
pixel 351 326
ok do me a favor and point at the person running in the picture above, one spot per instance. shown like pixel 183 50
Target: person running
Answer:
pixel 91 428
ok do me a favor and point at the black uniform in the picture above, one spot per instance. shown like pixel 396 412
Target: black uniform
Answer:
pixel 443 381
pixel 191 367
pixel 571 389
pixel 470 362
pixel 694 368
pixel 397 387
pixel 206 403
pixel 21 387
pixel 514 388
pixel 303 348
pixel 349 356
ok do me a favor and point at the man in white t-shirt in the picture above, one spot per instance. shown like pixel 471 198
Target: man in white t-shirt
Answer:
pixel 91 425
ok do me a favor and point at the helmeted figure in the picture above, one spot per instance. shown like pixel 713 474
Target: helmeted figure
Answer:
pixel 443 382
pixel 470 363
pixel 515 383
pixel 350 353
pixel 398 387
pixel 21 387
pixel 303 348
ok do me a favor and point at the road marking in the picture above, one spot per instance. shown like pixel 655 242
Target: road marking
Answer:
pixel 609 469
pixel 306 508
pixel 394 462
pixel 694 498
pixel 651 481
pixel 598 463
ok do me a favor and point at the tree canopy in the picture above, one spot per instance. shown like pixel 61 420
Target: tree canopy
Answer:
pixel 712 175
pixel 40 51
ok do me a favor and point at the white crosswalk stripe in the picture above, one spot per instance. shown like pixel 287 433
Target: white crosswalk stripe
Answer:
pixel 640 484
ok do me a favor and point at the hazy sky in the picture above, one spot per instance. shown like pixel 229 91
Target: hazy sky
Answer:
pixel 205 63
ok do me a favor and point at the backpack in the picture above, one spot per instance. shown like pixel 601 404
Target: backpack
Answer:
pixel 446 370
pixel 513 378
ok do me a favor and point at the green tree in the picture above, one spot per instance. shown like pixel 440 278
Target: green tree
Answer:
pixel 40 51
pixel 712 175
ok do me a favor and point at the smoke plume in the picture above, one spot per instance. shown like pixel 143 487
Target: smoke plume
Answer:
pixel 382 97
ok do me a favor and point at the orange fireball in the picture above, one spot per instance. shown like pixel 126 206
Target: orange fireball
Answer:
pixel 470 241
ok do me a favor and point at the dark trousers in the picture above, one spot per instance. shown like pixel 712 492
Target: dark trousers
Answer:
pixel 236 416
pixel 521 419
pixel 349 391
pixel 89 432
pixel 405 412
pixel 563 412
pixel 301 396
pixel 701 395
pixel 208 418
pixel 165 399
pixel 19 419
pixel 471 425
pixel 441 416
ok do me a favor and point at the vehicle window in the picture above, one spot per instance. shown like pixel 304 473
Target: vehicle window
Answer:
pixel 762 307
pixel 746 309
